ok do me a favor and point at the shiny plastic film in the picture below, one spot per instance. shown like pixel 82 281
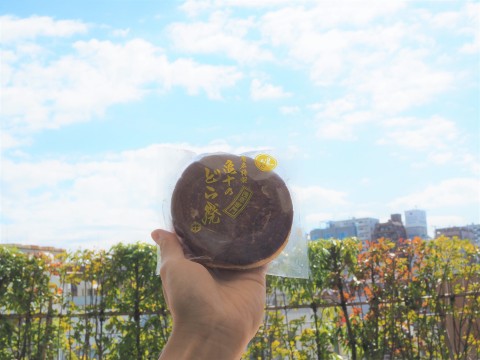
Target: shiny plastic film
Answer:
pixel 236 211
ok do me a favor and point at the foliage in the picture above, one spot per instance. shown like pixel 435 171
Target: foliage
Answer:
pixel 408 300
pixel 25 289
pixel 89 304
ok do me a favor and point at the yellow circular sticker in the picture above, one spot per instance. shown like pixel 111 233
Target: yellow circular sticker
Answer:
pixel 265 162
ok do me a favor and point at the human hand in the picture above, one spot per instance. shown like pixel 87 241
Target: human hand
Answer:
pixel 215 312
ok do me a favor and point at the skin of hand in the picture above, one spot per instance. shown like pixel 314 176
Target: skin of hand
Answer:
pixel 215 312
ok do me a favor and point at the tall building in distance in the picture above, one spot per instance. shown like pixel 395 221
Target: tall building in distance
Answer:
pixel 393 229
pixel 416 223
pixel 361 228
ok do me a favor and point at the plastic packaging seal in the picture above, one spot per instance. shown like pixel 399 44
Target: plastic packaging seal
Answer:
pixel 245 194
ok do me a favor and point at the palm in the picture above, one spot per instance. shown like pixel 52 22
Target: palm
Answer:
pixel 233 300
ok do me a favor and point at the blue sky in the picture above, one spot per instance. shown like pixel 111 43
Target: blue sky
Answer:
pixel 371 108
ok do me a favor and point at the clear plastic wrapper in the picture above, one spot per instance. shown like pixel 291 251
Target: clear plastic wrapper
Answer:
pixel 235 211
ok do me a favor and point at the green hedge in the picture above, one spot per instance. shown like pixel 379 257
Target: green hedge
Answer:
pixel 413 300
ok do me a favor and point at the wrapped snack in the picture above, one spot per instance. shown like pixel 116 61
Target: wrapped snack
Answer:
pixel 232 211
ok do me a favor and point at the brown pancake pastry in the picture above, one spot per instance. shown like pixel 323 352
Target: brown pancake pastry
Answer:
pixel 230 214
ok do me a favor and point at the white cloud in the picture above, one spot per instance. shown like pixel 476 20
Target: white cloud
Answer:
pixel 376 64
pixel 99 74
pixel 391 64
pixel 310 33
pixel 313 36
pixel 96 202
pixel 435 140
pixel 473 47
pixel 112 198
pixel 219 35
pixel 262 91
pixel 196 7
pixel 441 158
pixel 339 119
pixel 470 27
pixel 406 80
pixel 442 221
pixel 121 32
pixel 316 204
pixel 197 77
pixel 335 130
pixel 451 192
pixel 8 141
pixel 319 195
pixel 464 22
pixel 446 19
pixel 289 110
pixel 336 108
pixel 292 152
pixel 434 134
pixel 323 15
pixel 15 29
pixel 471 162
pixel 316 219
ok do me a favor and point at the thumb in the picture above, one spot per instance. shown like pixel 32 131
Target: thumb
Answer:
pixel 170 247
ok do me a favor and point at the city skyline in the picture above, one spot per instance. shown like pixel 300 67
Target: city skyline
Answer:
pixel 370 107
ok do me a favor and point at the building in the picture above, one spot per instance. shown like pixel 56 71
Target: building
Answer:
pixel 393 229
pixel 475 229
pixel 461 232
pixel 335 231
pixel 416 224
pixel 81 293
pixel 361 228
pixel 365 228
pixel 36 250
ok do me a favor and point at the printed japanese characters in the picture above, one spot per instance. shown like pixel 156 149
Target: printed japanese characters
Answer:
pixel 232 211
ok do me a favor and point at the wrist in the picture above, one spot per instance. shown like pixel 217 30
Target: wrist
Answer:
pixel 200 343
